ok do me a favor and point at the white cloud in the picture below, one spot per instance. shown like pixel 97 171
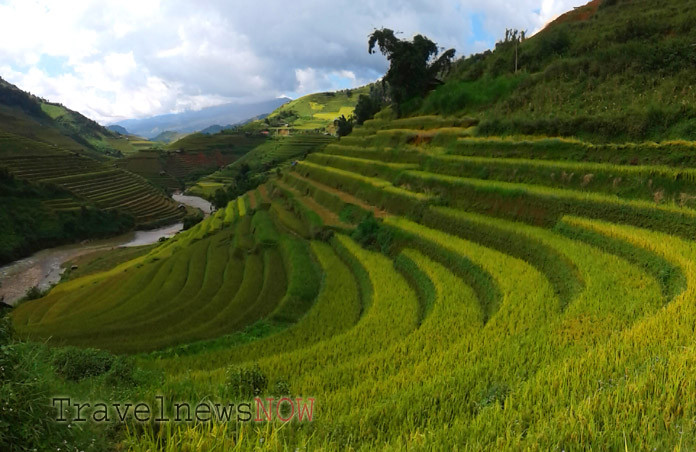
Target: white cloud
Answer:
pixel 135 58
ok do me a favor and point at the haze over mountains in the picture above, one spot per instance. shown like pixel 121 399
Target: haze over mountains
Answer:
pixel 192 121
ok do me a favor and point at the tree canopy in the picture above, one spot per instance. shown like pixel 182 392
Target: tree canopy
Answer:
pixel 414 65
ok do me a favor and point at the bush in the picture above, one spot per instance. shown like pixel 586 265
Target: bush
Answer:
pixel 74 363
pixel 281 389
pixel 121 371
pixel 366 108
pixel 246 381
pixel 192 220
pixel 371 235
pixel 33 294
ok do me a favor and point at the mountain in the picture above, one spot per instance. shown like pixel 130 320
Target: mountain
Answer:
pixel 168 136
pixel 217 128
pixel 118 129
pixel 25 115
pixel 191 121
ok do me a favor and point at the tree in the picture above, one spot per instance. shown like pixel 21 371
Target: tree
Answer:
pixel 220 199
pixel 514 37
pixel 413 68
pixel 344 125
pixel 369 105
pixel 365 109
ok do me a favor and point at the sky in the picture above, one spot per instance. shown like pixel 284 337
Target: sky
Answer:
pixel 119 59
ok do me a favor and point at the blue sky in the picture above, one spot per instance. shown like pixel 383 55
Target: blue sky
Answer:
pixel 119 59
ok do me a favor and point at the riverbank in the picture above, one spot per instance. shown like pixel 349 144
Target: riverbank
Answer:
pixel 44 268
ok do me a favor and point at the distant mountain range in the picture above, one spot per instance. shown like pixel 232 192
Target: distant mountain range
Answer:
pixel 192 121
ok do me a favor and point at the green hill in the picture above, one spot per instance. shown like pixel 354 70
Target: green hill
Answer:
pixel 293 130
pixel 314 112
pixel 40 120
pixel 428 287
pixel 168 136
pixel 612 70
pixel 61 186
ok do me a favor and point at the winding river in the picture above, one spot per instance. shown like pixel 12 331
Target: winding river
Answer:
pixel 44 268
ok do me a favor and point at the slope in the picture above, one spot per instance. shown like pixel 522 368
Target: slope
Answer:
pixel 613 70
pixel 40 120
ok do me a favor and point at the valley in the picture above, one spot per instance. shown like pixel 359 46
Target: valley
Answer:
pixel 484 253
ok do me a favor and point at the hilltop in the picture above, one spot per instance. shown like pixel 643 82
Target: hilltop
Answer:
pixel 611 70
pixel 313 112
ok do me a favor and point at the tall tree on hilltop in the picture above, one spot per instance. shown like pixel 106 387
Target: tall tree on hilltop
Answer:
pixel 414 68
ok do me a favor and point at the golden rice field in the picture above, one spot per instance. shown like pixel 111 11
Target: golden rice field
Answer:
pixel 428 290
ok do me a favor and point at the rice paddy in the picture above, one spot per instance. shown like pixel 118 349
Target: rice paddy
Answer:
pixel 500 301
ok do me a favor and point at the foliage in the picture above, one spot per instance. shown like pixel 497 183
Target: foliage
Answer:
pixel 369 105
pixel 246 382
pixel 370 234
pixel 220 200
pixel 412 70
pixel 192 220
pixel 74 363
pixel 344 126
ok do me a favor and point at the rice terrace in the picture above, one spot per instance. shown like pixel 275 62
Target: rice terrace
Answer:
pixel 421 250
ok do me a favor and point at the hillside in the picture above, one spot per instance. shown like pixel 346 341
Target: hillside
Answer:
pixel 313 112
pixel 35 216
pixel 461 278
pixel 190 158
pixel 168 136
pixel 91 181
pixel 295 129
pixel 611 71
pixel 537 250
pixel 31 117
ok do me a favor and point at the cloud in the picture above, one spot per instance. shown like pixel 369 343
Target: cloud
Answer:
pixel 116 59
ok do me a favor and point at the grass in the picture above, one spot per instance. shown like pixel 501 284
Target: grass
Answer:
pixel 514 303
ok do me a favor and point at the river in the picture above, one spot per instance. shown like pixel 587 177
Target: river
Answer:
pixel 44 268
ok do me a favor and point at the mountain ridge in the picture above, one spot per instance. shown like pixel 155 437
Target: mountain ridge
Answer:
pixel 192 121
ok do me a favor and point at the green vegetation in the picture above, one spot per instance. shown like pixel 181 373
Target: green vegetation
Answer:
pixel 609 71
pixel 258 164
pixel 431 289
pixel 35 216
pixel 314 112
pixel 27 116
pixel 411 72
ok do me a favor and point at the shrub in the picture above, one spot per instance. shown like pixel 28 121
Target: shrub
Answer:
pixel 121 371
pixel 192 220
pixel 246 381
pixel 33 294
pixel 74 363
pixel 371 235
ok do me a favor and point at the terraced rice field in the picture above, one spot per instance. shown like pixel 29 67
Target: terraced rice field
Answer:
pixel 95 183
pixel 273 152
pixel 503 301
